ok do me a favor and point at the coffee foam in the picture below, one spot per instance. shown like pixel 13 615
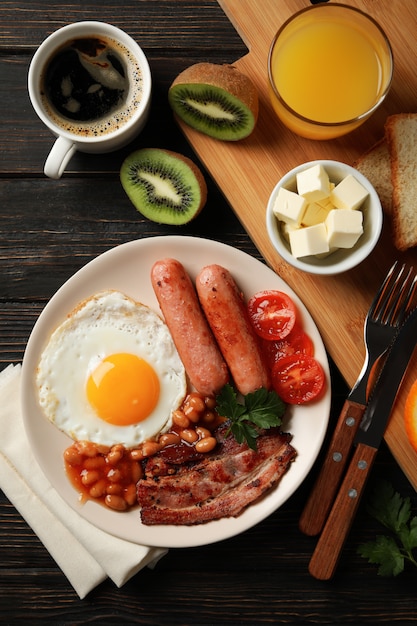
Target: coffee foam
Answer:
pixel 116 118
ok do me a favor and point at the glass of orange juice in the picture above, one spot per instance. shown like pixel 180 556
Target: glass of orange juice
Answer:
pixel 330 66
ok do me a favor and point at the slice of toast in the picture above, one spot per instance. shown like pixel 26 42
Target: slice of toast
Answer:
pixel 401 138
pixel 375 165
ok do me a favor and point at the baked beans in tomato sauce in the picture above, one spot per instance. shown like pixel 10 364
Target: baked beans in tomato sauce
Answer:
pixel 108 474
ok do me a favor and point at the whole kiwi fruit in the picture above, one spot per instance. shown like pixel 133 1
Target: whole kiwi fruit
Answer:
pixel 217 100
pixel 164 186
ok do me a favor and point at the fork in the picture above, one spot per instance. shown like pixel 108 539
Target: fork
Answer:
pixel 385 315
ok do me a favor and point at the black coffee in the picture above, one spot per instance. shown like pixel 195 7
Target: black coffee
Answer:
pixel 87 86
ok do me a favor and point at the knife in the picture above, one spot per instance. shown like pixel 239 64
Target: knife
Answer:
pixel 321 497
pixel 320 500
pixel 370 433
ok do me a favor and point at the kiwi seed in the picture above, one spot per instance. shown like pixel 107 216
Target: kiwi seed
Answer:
pixel 166 187
pixel 217 100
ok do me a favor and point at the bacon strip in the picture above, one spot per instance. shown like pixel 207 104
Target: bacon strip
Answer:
pixel 222 484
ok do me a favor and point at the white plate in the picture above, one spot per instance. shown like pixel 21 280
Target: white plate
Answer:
pixel 127 269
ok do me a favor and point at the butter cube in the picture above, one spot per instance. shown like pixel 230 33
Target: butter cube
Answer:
pixel 314 214
pixel 344 227
pixel 313 183
pixel 286 229
pixel 326 203
pixel 309 240
pixel 289 206
pixel 348 194
pixel 324 255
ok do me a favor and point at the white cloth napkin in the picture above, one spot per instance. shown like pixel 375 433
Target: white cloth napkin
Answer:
pixel 85 554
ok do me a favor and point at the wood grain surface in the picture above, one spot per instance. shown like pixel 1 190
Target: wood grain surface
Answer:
pixel 49 230
pixel 247 173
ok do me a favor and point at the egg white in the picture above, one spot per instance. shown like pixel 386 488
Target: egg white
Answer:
pixel 107 323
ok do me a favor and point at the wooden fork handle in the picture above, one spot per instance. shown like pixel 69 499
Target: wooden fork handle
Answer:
pixel 321 498
pixel 326 556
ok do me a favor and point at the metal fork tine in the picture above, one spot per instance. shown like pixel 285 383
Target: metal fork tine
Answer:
pixel 402 300
pixel 412 294
pixel 394 296
pixel 388 295
pixel 381 292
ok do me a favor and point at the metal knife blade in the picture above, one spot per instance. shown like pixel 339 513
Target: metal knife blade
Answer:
pixel 324 561
pixel 379 407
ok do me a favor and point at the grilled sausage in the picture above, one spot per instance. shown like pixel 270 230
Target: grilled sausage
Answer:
pixel 202 359
pixel 228 318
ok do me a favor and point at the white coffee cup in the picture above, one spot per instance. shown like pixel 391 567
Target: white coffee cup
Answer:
pixel 105 132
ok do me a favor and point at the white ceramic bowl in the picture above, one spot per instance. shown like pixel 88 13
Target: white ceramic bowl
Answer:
pixel 342 259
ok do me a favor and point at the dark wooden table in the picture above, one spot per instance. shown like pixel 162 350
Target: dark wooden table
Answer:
pixel 50 229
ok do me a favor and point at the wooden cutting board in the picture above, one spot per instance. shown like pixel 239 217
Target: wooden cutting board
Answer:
pixel 247 171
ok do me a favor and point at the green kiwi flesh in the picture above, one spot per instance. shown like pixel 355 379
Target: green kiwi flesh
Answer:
pixel 212 110
pixel 164 186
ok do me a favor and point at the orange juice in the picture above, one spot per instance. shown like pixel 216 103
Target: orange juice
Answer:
pixel 330 65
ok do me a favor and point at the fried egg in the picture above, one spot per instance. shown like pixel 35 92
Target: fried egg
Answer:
pixel 110 373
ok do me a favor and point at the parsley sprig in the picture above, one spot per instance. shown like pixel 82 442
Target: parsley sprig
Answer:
pixel 260 409
pixel 392 551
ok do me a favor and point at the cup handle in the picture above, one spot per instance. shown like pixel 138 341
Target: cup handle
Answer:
pixel 58 158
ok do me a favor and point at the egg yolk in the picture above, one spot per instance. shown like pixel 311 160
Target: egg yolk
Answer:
pixel 123 389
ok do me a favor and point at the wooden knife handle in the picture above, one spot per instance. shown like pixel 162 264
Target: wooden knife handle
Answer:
pixel 326 556
pixel 321 498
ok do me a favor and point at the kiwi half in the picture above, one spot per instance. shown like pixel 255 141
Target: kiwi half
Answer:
pixel 217 100
pixel 166 187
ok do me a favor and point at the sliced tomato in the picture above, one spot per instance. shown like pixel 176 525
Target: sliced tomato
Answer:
pixel 273 314
pixel 298 378
pixel 297 342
